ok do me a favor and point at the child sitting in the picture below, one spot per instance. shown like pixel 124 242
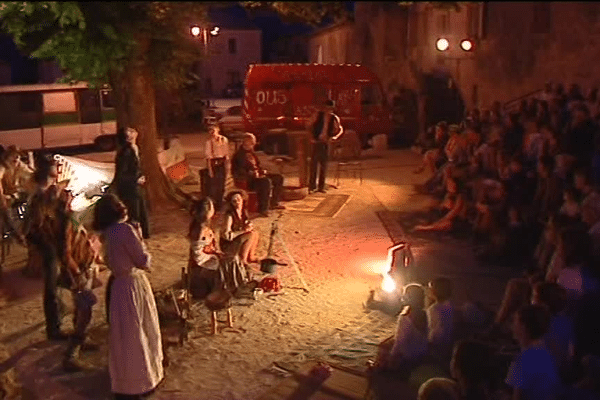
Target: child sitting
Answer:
pixel 409 345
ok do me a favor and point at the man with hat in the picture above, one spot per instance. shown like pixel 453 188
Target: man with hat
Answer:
pixel 325 126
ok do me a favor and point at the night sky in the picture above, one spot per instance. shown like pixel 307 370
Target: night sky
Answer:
pixel 24 70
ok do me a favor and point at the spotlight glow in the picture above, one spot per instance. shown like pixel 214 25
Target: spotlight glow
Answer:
pixel 466 45
pixel 387 284
pixel 195 30
pixel 442 44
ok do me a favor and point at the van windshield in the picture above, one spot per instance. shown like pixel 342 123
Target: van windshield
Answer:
pixel 371 95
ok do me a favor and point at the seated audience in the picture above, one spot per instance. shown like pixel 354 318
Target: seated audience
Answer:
pixel 434 156
pixel 439 389
pixel 472 368
pixel 440 319
pixel 533 374
pixel 560 338
pixel 404 350
pixel 570 208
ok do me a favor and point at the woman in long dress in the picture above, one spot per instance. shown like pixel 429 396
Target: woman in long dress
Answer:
pixel 135 347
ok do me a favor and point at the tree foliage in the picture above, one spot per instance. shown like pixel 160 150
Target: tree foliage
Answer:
pixel 89 40
pixel 311 12
pixel 444 5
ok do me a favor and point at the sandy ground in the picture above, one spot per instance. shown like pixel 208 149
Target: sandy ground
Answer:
pixel 339 257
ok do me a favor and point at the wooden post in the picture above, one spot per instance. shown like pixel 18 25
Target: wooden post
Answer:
pixel 300 145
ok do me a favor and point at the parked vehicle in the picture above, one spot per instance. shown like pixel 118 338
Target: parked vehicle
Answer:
pixel 56 115
pixel 225 112
pixel 282 97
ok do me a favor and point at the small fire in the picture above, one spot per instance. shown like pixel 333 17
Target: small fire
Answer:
pixel 388 284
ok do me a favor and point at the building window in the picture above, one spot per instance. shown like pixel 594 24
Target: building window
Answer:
pixel 232 46
pixel 233 77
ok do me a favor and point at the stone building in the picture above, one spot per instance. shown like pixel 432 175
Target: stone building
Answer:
pixel 518 46
pixel 235 45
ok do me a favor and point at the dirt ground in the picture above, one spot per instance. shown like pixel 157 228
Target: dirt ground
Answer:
pixel 339 257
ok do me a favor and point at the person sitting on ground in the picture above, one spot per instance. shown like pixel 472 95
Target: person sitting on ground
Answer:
pixel 560 338
pixel 439 389
pixel 472 368
pixel 203 264
pixel 570 208
pixel 533 374
pixel 516 295
pixel 575 272
pixel 434 157
pixel 403 351
pixel 547 198
pixel 440 319
pixel 239 236
pixel 455 203
pixel 246 167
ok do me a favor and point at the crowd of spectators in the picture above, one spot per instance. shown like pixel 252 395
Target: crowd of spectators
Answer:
pixel 525 184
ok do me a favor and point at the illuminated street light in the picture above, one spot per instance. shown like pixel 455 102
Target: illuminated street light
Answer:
pixel 215 31
pixel 466 45
pixel 196 30
pixel 442 44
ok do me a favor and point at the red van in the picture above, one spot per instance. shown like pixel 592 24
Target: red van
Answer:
pixel 282 97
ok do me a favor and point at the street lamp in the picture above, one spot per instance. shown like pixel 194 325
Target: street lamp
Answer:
pixel 466 45
pixel 442 44
pixel 195 31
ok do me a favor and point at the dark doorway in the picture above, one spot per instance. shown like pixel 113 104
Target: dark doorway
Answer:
pixel 405 118
pixel 444 102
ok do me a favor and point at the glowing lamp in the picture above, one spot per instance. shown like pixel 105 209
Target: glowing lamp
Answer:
pixel 215 31
pixel 387 284
pixel 195 30
pixel 466 45
pixel 442 44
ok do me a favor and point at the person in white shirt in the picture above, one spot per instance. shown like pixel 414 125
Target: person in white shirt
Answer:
pixel 440 318
pixel 325 127
pixel 409 345
pixel 216 151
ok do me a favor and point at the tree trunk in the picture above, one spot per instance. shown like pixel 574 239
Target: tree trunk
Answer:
pixel 142 114
pixel 118 83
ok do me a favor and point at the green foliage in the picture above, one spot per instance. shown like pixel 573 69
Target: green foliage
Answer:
pixel 91 39
pixel 311 12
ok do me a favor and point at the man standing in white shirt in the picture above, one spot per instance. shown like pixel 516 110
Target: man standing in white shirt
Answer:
pixel 217 162
pixel 325 126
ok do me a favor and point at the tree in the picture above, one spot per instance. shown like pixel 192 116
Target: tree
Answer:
pixel 132 46
pixel 310 12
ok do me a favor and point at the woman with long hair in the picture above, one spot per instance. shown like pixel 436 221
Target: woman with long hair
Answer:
pixel 128 181
pixel 135 347
pixel 239 235
pixel 204 258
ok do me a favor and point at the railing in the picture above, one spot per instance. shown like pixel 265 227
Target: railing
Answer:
pixel 513 104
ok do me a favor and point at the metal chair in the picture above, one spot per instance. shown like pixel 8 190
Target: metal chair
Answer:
pixel 347 158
